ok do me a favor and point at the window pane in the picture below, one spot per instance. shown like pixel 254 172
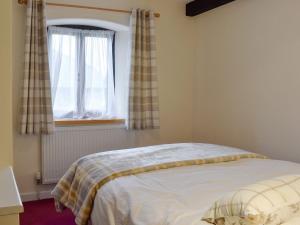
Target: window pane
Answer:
pixel 63 67
pixel 96 75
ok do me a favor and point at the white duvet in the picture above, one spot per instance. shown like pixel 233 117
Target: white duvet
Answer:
pixel 180 196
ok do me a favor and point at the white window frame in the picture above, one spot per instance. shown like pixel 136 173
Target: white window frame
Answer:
pixel 81 80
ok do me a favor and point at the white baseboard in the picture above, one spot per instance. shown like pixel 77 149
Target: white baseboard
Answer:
pixel 33 196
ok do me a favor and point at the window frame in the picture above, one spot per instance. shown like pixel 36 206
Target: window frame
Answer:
pixel 91 121
pixel 87 27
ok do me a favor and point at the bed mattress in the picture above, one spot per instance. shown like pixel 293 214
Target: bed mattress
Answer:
pixel 179 196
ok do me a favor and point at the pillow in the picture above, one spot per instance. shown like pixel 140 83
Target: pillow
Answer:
pixel 269 202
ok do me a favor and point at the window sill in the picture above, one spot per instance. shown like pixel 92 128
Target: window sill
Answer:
pixel 88 122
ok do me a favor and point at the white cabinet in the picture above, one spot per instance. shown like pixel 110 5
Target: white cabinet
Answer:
pixel 10 201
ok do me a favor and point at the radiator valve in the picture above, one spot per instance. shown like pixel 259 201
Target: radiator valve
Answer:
pixel 38 178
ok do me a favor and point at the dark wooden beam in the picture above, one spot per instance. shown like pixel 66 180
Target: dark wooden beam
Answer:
pixel 197 7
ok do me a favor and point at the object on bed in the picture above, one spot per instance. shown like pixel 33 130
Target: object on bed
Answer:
pixel 269 202
pixel 78 187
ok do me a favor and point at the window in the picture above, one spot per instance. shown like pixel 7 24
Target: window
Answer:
pixel 82 72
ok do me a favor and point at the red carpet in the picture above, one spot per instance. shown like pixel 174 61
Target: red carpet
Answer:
pixel 43 213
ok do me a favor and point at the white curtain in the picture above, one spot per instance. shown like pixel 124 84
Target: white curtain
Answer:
pixel 81 68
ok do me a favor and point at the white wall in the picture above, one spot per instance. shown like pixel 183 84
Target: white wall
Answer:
pixel 247 86
pixel 6 149
pixel 175 68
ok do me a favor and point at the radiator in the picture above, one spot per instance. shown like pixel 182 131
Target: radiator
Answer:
pixel 68 144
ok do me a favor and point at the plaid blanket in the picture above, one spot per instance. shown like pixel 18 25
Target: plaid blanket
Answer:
pixel 78 187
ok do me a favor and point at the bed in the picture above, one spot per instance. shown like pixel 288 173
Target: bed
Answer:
pixel 177 193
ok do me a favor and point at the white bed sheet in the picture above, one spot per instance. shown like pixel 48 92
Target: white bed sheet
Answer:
pixel 178 196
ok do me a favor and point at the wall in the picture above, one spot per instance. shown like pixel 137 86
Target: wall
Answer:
pixel 248 77
pixel 6 155
pixel 175 67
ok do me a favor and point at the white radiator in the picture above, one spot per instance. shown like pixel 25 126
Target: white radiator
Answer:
pixel 68 144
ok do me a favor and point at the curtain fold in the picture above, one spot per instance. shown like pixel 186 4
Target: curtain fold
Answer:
pixel 143 108
pixel 36 105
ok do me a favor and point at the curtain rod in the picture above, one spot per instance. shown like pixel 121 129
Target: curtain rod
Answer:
pixel 24 2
